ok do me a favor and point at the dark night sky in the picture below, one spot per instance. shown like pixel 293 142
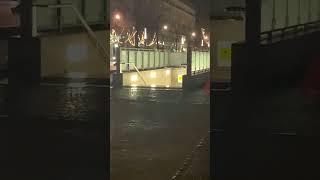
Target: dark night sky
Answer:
pixel 203 8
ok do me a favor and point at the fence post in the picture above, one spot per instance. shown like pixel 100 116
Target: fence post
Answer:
pixel 118 61
pixel 253 22
pixel 189 61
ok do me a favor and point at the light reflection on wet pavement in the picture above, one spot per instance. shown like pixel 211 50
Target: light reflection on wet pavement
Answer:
pixel 153 131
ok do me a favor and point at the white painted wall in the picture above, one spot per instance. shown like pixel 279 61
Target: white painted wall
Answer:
pixel 72 55
pixel 176 59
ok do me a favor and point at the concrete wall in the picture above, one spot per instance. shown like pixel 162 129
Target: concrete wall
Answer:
pixel 281 65
pixel 3 52
pixel 218 6
pixel 224 30
pixel 8 19
pixel 48 19
pixel 293 12
pixel 167 77
pixel 72 55
pixel 176 59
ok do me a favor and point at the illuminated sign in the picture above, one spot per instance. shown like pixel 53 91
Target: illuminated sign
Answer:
pixel 180 78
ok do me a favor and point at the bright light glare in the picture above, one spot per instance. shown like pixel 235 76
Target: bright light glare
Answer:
pixel 116 45
pixel 114 58
pixel 153 74
pixel 153 85
pixel 117 16
pixel 167 72
pixel 165 27
pixel 167 86
pixel 134 78
pixel 193 34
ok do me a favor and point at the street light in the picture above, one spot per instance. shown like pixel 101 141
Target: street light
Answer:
pixel 165 27
pixel 117 16
pixel 193 34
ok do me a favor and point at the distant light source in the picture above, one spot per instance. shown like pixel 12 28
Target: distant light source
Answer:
pixel 114 58
pixel 116 45
pixel 167 86
pixel 193 34
pixel 165 27
pixel 206 37
pixel 153 85
pixel 117 16
pixel 153 75
pixel 134 78
pixel 167 72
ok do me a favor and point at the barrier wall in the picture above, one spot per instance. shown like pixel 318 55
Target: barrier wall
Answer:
pixel 285 13
pixel 143 58
pixel 277 65
pixel 166 77
pixel 72 56
pixel 200 62
pixel 94 13
pixel 224 33
pixel 3 52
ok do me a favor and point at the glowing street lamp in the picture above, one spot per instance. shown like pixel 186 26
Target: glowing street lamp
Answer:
pixel 193 34
pixel 117 17
pixel 165 27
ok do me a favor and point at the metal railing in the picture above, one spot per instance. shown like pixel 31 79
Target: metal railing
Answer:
pixel 149 58
pixel 200 62
pixel 102 50
pixel 137 70
pixel 289 32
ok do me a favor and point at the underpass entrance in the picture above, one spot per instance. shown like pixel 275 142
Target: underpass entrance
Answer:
pixel 160 68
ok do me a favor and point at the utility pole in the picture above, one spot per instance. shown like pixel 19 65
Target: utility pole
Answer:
pixel 25 9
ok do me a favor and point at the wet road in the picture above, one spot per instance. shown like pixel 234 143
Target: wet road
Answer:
pixel 154 131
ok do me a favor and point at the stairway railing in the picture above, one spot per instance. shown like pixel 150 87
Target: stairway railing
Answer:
pixel 99 46
pixel 137 70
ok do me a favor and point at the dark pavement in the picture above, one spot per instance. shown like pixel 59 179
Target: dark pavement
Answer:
pixel 62 130
pixel 154 131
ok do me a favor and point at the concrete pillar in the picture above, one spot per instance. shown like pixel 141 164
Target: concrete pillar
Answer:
pixel 25 52
pixel 253 21
pixel 189 61
pixel 24 60
pixel 26 19
pixel 118 63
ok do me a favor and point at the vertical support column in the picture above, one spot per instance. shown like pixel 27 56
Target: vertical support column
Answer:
pixel 274 20
pixel 34 22
pixel 309 11
pixel 117 81
pixel 299 12
pixel 287 13
pixel 118 62
pixel 253 21
pixel 189 61
pixel 59 15
pixel 26 19
pixel 318 10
